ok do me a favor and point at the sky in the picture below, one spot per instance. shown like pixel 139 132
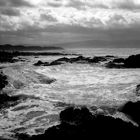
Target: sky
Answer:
pixel 46 22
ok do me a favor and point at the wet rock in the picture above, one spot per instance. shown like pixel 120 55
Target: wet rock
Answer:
pixel 132 110
pixel 6 57
pixel 3 80
pixel 7 101
pixel 114 65
pixel 79 123
pixel 63 59
pixel 138 90
pixel 40 63
pixel 130 62
pixel 98 59
pixel 55 63
pixel 119 60
pixel 75 116
pixel 79 59
pixel 133 61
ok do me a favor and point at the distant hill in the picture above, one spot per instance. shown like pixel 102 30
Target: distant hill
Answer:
pixel 8 47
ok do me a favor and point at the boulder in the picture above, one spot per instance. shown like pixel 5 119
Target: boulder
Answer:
pixel 119 60
pixel 132 110
pixel 40 63
pixel 79 123
pixel 132 61
pixel 138 90
pixel 98 59
pixel 7 101
pixel 114 65
pixel 3 80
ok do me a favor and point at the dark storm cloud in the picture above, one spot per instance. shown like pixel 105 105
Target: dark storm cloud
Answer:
pixel 61 34
pixel 9 12
pixel 69 20
pixel 126 4
pixel 108 4
pixel 14 3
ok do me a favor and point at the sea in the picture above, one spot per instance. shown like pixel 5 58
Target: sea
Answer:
pixel 121 52
pixel 72 84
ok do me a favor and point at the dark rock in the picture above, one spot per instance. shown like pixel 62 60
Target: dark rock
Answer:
pixel 55 63
pixel 132 109
pixel 7 101
pixel 79 123
pixel 65 59
pixel 79 59
pixel 7 57
pixel 133 61
pixel 40 63
pixel 3 80
pixel 98 59
pixel 119 60
pixel 114 65
pixel 138 90
pixel 75 116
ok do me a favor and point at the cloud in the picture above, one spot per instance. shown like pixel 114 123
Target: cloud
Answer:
pixel 9 12
pixel 125 4
pixel 95 18
pixel 47 17
pixel 105 4
pixel 15 3
pixel 76 4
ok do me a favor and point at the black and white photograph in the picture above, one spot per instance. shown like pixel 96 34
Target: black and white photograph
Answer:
pixel 69 69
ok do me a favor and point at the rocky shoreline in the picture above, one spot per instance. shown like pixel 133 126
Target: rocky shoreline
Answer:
pixel 109 61
pixel 82 121
pixel 79 122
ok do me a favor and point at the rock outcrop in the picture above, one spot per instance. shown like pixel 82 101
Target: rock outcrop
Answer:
pixel 138 90
pixel 7 101
pixel 79 123
pixel 79 59
pixel 3 80
pixel 132 110
pixel 132 61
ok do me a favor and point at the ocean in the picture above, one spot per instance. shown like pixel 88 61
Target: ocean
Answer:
pixel 45 91
pixel 121 52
